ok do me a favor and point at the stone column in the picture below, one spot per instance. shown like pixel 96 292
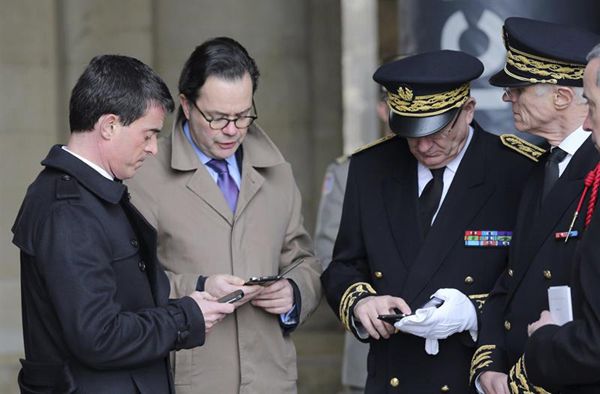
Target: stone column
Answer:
pixel 359 61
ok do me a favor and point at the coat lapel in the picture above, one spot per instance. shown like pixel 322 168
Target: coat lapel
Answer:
pixel 400 200
pixel 252 181
pixel 201 184
pixel 468 193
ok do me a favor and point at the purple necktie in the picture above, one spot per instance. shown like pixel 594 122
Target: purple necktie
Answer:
pixel 225 182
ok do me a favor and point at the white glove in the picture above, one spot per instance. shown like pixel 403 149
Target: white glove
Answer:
pixel 457 314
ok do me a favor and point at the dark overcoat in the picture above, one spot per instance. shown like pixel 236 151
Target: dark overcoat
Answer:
pixel 96 314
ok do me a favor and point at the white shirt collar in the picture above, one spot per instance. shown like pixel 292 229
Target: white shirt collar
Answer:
pixel 574 140
pixel 96 167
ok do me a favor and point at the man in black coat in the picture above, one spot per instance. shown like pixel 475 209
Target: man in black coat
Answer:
pixel 96 314
pixel 551 107
pixel 426 212
pixel 566 359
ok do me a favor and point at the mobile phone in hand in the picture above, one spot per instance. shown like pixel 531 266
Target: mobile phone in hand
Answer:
pixel 231 297
pixel 268 280
pixel 395 317
pixel 262 280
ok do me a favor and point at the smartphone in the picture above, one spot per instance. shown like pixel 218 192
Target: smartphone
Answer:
pixel 262 280
pixel 267 280
pixel 231 297
pixel 394 317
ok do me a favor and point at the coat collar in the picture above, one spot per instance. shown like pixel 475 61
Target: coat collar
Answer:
pixel 89 178
pixel 259 150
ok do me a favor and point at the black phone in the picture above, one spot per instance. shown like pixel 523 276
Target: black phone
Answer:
pixel 394 317
pixel 262 280
pixel 231 297
pixel 267 280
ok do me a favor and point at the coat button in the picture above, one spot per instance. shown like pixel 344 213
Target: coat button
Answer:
pixel 134 243
pixel 507 325
pixel 378 274
pixel 510 272
pixel 445 389
pixel 469 280
pixel 548 274
pixel 142 265
pixel 394 382
pixel 66 178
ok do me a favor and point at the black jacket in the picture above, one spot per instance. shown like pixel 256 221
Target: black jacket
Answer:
pixel 566 359
pixel 537 260
pixel 379 245
pixel 96 314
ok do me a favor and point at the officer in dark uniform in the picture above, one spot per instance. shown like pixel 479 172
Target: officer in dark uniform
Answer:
pixel 543 79
pixel 427 211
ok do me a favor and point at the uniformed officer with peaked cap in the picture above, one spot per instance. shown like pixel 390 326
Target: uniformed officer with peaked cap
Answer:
pixel 543 52
pixel 542 77
pixel 426 212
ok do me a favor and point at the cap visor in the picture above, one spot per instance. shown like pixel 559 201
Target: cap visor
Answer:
pixel 502 80
pixel 414 127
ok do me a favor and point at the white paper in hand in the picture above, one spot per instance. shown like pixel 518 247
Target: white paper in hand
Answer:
pixel 559 301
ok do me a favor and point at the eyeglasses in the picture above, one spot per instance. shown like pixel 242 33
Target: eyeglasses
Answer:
pixel 513 93
pixel 241 122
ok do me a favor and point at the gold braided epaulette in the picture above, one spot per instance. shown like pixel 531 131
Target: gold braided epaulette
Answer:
pixel 350 297
pixel 526 148
pixel 481 359
pixel 518 381
pixel 479 300
pixel 373 143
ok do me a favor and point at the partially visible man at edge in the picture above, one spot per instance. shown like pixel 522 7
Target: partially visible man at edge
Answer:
pixel 96 314
pixel 226 207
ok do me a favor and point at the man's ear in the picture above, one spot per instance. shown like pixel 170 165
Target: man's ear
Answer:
pixel 469 109
pixel 563 97
pixel 107 124
pixel 185 105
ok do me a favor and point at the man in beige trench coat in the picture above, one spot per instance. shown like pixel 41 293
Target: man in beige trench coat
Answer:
pixel 225 204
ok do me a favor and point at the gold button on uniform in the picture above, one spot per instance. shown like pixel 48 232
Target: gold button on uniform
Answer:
pixel 378 274
pixel 547 274
pixel 507 325
pixel 469 280
pixel 510 272
pixel 394 382
pixel 445 389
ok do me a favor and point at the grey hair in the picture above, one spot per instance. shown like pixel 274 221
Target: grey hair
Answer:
pixel 543 88
pixel 595 54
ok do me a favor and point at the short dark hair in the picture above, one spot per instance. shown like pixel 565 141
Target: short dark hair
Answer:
pixel 222 57
pixel 116 84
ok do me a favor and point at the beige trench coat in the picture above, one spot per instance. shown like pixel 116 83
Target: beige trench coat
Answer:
pixel 199 235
